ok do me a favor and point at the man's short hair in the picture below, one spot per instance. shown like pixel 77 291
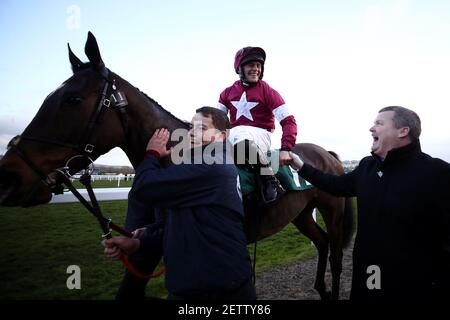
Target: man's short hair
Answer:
pixel 219 118
pixel 404 117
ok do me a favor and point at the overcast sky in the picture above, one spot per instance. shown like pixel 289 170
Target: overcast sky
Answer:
pixel 336 63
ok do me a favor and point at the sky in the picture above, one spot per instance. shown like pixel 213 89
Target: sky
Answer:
pixel 336 63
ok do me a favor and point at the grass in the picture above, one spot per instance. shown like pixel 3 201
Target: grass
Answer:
pixel 105 184
pixel 286 246
pixel 38 244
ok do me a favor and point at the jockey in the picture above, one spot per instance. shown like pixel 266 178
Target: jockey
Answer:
pixel 253 107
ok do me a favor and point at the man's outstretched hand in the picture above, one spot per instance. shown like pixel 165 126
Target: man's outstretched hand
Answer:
pixel 295 161
pixel 158 142
pixel 285 158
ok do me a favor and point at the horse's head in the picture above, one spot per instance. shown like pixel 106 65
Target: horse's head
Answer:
pixel 74 125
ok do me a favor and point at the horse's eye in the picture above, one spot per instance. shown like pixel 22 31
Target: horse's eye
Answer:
pixel 73 100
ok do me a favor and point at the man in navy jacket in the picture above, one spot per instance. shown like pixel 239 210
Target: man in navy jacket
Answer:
pixel 205 251
pixel 402 248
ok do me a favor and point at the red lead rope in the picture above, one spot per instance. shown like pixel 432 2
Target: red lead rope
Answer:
pixel 126 262
pixel 135 272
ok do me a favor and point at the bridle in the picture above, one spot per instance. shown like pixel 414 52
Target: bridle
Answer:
pixel 110 97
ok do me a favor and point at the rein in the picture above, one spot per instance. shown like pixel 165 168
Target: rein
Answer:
pixel 105 224
pixel 110 97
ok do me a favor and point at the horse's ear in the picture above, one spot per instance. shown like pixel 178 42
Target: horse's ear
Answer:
pixel 74 61
pixel 92 52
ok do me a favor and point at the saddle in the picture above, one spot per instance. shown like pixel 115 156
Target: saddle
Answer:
pixel 288 177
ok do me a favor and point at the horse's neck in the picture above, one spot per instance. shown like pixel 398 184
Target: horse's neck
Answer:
pixel 144 117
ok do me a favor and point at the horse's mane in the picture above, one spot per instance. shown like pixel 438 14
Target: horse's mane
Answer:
pixel 335 155
pixel 153 101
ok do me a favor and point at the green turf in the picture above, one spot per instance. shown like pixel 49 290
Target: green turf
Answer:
pixel 105 184
pixel 39 243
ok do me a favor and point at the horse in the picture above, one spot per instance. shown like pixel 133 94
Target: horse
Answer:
pixel 96 110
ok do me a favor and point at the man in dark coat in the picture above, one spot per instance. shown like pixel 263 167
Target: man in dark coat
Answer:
pixel 402 247
pixel 205 248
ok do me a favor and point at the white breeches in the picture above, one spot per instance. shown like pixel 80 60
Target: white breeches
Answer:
pixel 261 137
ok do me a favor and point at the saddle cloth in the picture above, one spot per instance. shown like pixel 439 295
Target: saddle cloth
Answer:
pixel 288 177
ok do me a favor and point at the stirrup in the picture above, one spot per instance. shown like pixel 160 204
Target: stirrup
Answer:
pixel 277 188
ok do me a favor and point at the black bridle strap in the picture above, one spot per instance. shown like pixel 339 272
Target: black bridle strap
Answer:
pixel 82 146
pixel 45 179
pixel 103 102
pixel 108 98
pixel 120 102
pixel 19 152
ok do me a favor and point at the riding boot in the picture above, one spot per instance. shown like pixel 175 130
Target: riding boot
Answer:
pixel 247 155
pixel 271 188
